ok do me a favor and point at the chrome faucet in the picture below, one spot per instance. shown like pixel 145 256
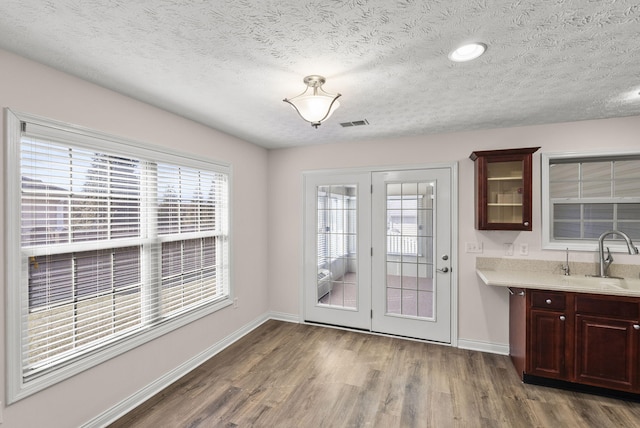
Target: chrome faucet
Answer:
pixel 606 262
pixel 565 268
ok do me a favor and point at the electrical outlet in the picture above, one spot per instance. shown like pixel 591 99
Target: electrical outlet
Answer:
pixel 523 249
pixel 235 303
pixel 508 249
pixel 473 247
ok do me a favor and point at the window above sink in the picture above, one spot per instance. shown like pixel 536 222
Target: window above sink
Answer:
pixel 584 195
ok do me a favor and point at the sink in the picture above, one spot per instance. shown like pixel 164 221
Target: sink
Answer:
pixel 614 283
pixel 609 283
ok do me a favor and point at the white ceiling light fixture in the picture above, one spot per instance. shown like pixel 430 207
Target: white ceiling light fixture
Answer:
pixel 631 96
pixel 314 105
pixel 468 52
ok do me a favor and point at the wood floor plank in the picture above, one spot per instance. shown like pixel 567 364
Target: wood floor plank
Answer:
pixel 293 375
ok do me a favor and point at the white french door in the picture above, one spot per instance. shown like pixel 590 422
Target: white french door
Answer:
pixel 411 277
pixel 377 248
pixel 336 273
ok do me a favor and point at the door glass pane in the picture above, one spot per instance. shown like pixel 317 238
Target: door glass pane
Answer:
pixel 336 246
pixel 409 256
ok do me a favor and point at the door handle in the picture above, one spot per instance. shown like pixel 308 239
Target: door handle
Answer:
pixel 443 270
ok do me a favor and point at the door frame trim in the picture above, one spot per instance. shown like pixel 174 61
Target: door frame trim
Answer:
pixel 453 166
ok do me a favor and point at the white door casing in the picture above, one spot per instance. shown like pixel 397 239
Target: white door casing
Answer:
pixel 398 226
pixel 411 262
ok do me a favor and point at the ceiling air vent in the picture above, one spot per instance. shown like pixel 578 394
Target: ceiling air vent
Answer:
pixel 354 123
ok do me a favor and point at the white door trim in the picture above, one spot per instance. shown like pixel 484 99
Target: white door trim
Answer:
pixel 436 325
pixel 357 316
pixel 454 231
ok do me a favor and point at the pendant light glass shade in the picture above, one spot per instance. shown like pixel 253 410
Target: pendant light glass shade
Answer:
pixel 314 105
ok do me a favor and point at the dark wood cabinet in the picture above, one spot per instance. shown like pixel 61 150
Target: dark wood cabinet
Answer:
pixel 579 339
pixel 503 189
pixel 549 334
pixel 607 342
pixel 518 329
pixel 547 344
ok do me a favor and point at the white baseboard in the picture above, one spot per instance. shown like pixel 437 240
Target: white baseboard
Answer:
pixel 130 403
pixel 282 316
pixel 492 348
pixel 168 378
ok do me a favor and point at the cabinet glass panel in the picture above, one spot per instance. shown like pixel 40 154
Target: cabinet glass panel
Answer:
pixel 505 187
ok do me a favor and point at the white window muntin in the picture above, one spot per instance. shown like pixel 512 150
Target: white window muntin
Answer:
pixel 17 385
pixel 585 190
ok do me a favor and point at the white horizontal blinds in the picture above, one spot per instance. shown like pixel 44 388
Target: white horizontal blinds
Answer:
pixel 72 195
pixel 84 279
pixel 592 195
pixel 336 225
pixel 114 244
pixel 323 224
pixel 352 224
pixel 78 299
pixel 77 208
pixel 336 219
pixel 193 231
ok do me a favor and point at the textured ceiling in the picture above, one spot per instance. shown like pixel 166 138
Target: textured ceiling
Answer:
pixel 229 63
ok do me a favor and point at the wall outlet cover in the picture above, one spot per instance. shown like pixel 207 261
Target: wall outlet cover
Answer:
pixel 508 249
pixel 473 247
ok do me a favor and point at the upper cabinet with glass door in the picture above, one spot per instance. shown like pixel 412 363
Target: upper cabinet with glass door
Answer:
pixel 503 188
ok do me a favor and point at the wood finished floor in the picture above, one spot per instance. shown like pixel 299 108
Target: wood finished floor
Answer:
pixel 292 375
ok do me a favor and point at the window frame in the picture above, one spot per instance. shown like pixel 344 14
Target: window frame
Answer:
pixel 548 242
pixel 16 299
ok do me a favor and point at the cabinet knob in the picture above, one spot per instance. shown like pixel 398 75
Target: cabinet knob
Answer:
pixel 548 301
pixel 636 326
pixel 526 223
pixel 562 318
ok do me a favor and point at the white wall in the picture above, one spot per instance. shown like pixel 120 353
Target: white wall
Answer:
pixel 483 310
pixel 267 242
pixel 29 87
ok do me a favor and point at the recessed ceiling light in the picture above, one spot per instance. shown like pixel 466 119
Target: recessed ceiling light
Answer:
pixel 468 52
pixel 631 96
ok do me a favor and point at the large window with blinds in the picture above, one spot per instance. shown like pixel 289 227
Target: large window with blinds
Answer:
pixel 586 195
pixel 113 243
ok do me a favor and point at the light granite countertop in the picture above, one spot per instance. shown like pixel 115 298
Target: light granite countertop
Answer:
pixel 533 275
pixel 549 281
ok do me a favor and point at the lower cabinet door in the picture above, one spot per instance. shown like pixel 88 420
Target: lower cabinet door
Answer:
pixel 547 344
pixel 605 353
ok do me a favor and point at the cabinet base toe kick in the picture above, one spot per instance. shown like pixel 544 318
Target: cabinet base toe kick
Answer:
pixel 578 387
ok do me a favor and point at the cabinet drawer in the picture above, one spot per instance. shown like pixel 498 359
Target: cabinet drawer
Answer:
pixel 613 307
pixel 547 300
